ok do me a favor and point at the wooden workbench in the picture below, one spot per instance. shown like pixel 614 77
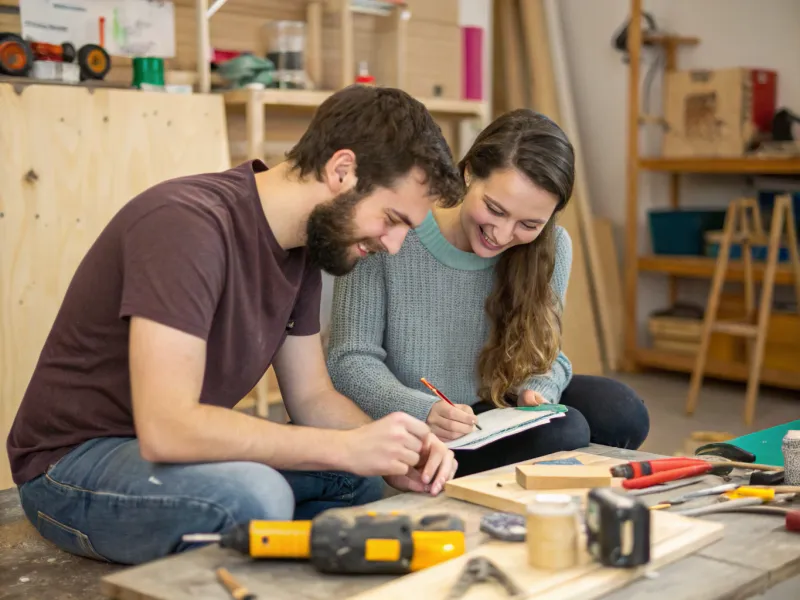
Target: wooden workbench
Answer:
pixel 754 555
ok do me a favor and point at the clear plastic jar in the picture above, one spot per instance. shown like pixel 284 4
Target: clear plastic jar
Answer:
pixel 286 43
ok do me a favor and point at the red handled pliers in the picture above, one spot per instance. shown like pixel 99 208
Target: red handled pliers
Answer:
pixel 646 473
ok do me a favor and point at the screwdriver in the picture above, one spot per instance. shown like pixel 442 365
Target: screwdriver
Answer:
pixel 712 491
pixel 347 541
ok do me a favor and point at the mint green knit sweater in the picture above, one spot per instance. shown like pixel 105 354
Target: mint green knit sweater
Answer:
pixel 420 313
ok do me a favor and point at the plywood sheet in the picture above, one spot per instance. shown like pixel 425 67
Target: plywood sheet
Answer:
pixel 610 272
pixel 71 158
pixel 580 337
pixel 672 537
pixel 501 491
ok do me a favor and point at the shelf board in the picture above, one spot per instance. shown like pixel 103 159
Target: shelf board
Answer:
pixel 700 267
pixel 739 165
pixel 311 99
pixel 663 40
pixel 684 363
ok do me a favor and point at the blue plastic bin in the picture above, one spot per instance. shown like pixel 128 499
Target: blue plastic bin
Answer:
pixel 766 201
pixel 681 231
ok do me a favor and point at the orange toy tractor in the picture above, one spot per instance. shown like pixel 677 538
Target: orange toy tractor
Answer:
pixel 17 56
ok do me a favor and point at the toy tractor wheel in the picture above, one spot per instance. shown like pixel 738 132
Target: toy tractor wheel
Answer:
pixel 94 61
pixel 16 57
pixel 68 52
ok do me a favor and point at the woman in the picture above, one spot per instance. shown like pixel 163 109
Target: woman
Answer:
pixel 472 302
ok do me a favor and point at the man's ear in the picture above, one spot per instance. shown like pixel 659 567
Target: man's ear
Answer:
pixel 340 171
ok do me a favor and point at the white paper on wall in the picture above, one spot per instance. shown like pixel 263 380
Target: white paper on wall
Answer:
pixel 131 27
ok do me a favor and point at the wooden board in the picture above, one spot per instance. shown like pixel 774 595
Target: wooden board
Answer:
pixel 610 271
pixel 72 157
pixel 501 491
pixel 716 572
pixel 672 537
pixel 580 341
pixel 553 477
pixel 581 196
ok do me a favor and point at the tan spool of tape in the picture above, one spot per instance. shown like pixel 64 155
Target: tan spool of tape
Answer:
pixel 552 532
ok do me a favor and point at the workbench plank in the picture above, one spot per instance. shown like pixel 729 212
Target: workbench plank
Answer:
pixel 696 578
pixel 191 574
pixel 719 572
pixel 756 541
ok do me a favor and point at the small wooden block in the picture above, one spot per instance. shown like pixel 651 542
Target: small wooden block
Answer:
pixel 560 477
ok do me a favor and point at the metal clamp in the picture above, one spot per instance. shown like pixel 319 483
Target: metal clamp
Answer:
pixel 479 570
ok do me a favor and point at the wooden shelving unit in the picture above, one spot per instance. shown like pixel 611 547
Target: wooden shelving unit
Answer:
pixel 256 102
pixel 738 166
pixel 676 267
pixel 731 371
pixel 698 267
pixel 311 99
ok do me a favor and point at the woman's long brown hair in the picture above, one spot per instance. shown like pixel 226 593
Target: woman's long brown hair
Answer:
pixel 524 311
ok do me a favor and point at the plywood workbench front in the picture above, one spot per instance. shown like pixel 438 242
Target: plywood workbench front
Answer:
pixel 71 158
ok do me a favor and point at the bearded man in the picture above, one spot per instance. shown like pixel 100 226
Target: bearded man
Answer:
pixel 126 439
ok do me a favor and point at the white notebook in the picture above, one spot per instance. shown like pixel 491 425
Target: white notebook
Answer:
pixel 499 423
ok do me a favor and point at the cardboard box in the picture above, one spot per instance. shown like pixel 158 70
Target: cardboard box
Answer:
pixel 441 11
pixel 717 113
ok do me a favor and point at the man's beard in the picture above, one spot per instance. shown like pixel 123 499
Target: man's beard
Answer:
pixel 330 234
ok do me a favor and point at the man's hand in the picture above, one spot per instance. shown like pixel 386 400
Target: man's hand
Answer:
pixel 437 466
pixel 530 398
pixel 451 422
pixel 389 446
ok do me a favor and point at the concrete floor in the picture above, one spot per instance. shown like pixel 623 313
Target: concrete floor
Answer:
pixel 720 408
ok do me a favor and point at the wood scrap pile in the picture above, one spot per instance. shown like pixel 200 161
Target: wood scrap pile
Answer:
pixel 530 71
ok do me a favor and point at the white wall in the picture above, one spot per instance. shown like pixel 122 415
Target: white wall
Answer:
pixel 732 33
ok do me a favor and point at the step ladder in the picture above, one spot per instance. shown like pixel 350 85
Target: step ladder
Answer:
pixel 743 225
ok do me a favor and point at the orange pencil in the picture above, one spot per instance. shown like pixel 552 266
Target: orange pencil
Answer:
pixel 441 395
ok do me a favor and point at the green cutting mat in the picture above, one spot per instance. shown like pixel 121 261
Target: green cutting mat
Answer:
pixel 766 444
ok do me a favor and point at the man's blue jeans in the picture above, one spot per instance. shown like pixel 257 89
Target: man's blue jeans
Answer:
pixel 103 501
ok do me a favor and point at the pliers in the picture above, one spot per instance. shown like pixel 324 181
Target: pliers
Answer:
pixel 478 570
pixel 646 473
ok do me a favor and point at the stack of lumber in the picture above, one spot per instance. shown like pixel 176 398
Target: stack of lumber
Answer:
pixel 530 71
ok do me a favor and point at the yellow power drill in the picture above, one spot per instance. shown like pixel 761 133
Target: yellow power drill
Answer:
pixel 342 540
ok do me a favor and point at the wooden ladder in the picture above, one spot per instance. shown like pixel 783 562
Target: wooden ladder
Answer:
pixel 743 225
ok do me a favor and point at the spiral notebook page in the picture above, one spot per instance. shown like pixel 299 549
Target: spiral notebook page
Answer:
pixel 499 423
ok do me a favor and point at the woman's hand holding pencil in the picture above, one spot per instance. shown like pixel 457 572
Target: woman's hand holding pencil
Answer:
pixel 449 421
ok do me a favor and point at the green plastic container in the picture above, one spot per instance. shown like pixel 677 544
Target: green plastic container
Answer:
pixel 148 72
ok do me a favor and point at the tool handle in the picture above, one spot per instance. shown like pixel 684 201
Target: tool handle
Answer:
pixel 642 468
pixel 664 476
pixel 793 520
pixel 735 464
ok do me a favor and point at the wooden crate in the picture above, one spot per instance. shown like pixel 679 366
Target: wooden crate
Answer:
pixel 681 335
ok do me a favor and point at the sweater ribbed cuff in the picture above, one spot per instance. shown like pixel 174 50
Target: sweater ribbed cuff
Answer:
pixel 418 404
pixel 545 386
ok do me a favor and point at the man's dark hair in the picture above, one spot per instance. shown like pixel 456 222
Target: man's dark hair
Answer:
pixel 390 133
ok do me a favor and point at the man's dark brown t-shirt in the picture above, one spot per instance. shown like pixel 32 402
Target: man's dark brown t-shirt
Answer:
pixel 194 253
